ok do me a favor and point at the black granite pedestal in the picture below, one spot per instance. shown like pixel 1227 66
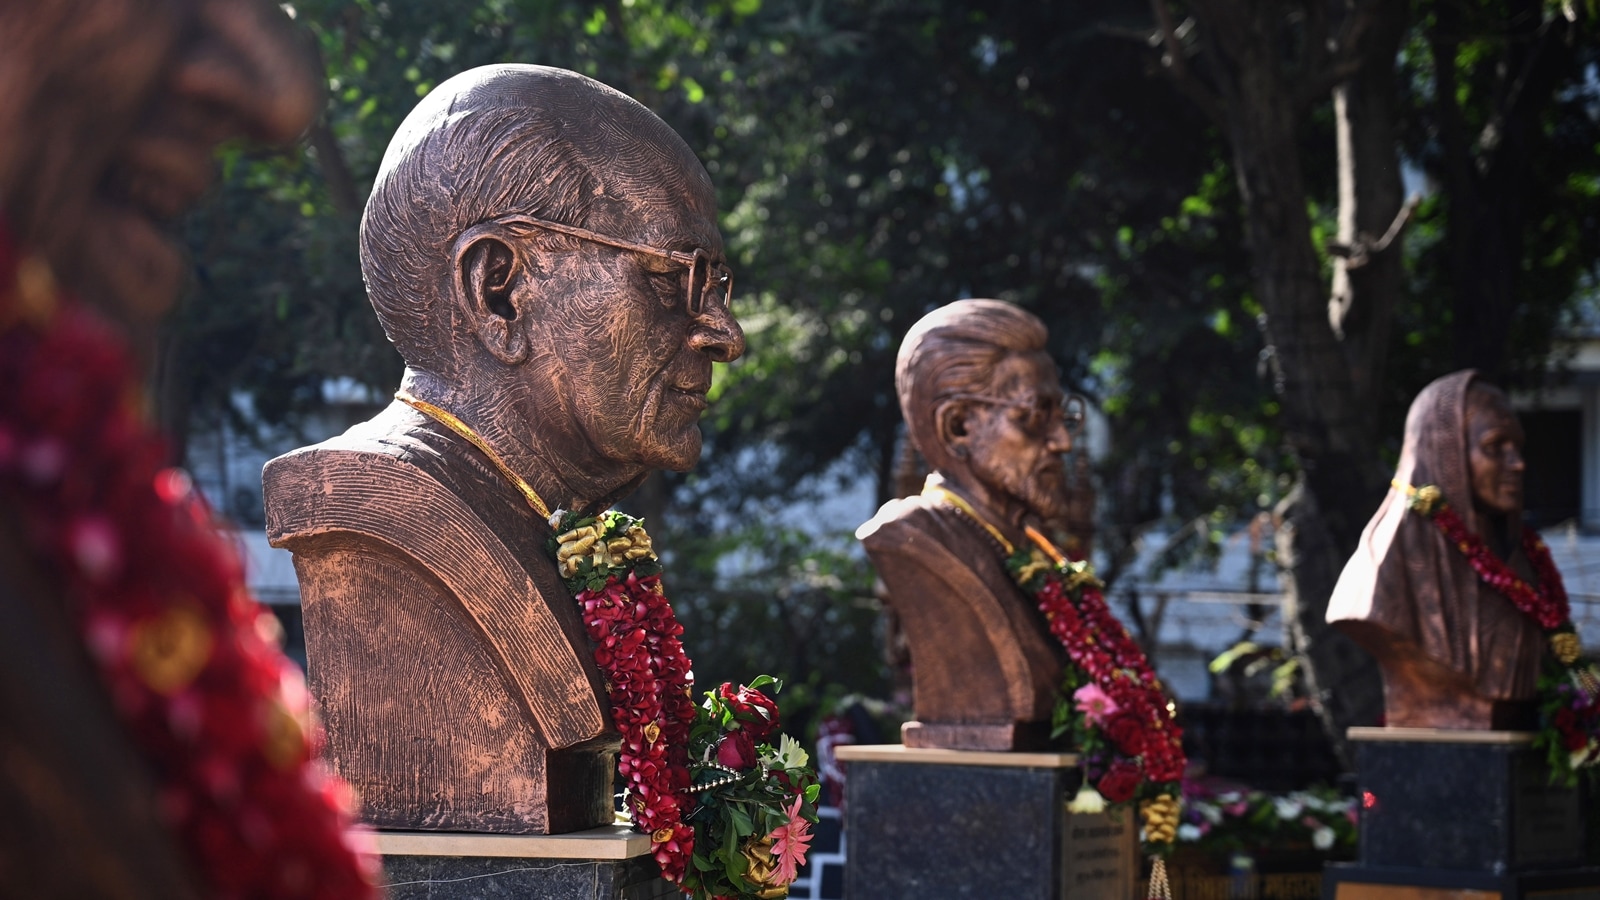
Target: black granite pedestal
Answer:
pixel 950 823
pixel 600 864
pixel 1446 812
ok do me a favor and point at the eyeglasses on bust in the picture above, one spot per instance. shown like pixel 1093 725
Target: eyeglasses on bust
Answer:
pixel 1040 412
pixel 709 283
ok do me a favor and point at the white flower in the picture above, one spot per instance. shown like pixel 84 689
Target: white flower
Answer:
pixel 1088 801
pixel 790 754
pixel 1228 797
pixel 1209 813
pixel 1322 838
pixel 1312 802
pixel 1187 832
pixel 1288 808
pixel 556 517
pixel 1587 756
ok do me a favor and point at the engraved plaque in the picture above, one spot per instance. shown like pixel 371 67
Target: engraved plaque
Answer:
pixel 1099 858
pixel 1547 826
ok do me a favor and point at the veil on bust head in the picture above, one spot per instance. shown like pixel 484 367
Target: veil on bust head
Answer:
pixel 1453 651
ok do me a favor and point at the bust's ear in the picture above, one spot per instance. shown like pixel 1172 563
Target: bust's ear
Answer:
pixel 487 271
pixel 953 421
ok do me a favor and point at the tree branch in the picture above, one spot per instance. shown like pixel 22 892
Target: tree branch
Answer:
pixel 1490 138
pixel 1361 251
pixel 1176 63
pixel 1343 63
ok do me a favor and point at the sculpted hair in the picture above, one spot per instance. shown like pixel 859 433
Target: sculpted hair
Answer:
pixel 954 350
pixel 500 145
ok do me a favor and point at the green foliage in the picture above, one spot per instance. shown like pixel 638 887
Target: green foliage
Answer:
pixel 1514 151
pixel 761 598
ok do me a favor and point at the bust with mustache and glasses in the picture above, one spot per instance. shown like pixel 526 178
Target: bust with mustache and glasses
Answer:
pixel 983 405
pixel 543 251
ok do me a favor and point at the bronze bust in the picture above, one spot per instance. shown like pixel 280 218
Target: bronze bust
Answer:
pixel 983 405
pixel 543 251
pixel 1454 653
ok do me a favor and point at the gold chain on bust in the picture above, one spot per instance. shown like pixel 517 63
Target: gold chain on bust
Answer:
pixel 940 492
pixel 459 427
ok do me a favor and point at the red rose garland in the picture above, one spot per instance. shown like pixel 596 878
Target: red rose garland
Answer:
pixel 648 684
pixel 1569 691
pixel 1120 704
pixel 610 566
pixel 1546 604
pixel 1142 731
pixel 220 716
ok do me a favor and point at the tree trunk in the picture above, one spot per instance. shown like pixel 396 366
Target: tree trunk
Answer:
pixel 1327 352
pixel 1487 175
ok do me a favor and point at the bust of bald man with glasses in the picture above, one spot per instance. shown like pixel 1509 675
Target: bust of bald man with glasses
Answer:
pixel 983 404
pixel 543 252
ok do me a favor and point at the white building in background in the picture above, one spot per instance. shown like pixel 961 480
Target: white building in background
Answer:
pixel 1563 447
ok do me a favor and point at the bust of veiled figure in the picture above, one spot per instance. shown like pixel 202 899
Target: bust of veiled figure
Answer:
pixel 543 252
pixel 983 404
pixel 1454 652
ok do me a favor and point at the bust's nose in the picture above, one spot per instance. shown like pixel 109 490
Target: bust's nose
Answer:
pixel 1060 438
pixel 717 334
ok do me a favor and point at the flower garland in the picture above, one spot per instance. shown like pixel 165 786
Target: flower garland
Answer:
pixel 1569 687
pixel 728 814
pixel 220 716
pixel 757 802
pixel 749 827
pixel 1112 705
pixel 736 827
pixel 610 566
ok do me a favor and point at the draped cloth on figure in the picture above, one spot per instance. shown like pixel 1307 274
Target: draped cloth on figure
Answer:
pixel 1454 652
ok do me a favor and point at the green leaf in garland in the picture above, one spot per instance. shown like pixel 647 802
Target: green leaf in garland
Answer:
pixel 742 826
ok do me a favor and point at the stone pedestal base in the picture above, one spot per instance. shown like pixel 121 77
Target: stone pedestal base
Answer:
pixel 953 823
pixel 1351 881
pixel 1453 814
pixel 1472 801
pixel 610 863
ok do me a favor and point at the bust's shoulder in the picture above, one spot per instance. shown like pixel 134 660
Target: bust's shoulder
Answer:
pixel 927 530
pixel 394 437
pixel 900 518
pixel 393 468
